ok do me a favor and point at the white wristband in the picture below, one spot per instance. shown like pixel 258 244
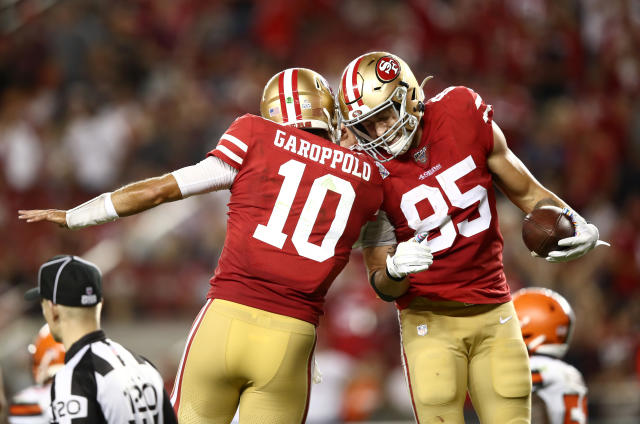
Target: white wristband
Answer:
pixel 96 211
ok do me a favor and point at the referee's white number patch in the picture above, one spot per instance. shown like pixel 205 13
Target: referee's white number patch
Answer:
pixel 73 407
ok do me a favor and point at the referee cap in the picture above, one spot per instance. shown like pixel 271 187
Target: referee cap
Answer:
pixel 68 280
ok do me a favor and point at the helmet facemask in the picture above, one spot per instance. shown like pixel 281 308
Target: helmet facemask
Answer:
pixel 396 140
pixel 381 103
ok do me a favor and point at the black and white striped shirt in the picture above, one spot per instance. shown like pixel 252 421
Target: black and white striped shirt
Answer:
pixel 102 382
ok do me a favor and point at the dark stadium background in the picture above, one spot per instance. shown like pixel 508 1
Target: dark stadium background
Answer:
pixel 95 94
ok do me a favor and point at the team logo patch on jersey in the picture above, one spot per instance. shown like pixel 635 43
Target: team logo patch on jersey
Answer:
pixel 387 69
pixel 383 171
pixel 421 155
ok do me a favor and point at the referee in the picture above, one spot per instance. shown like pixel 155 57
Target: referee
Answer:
pixel 101 381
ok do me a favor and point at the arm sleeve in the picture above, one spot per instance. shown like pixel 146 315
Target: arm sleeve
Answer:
pixel 377 233
pixel 208 175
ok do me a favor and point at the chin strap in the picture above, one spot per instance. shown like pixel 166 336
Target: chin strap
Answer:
pixel 424 81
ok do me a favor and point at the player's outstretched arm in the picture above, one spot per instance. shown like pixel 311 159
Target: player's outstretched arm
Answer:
pixel 125 201
pixel 388 270
pixel 208 175
pixel 517 183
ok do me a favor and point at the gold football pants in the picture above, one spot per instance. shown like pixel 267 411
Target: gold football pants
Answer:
pixel 450 348
pixel 238 356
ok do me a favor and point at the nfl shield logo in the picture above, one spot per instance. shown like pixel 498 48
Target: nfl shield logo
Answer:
pixel 383 171
pixel 421 155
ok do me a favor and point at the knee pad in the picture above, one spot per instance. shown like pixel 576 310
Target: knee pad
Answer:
pixel 434 377
pixel 510 371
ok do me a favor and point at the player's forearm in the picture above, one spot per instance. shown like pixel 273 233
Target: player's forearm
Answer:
pixel 536 196
pixel 142 195
pixel 128 200
pixel 387 287
pixel 383 284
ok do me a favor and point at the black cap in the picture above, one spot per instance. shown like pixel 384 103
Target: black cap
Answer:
pixel 68 280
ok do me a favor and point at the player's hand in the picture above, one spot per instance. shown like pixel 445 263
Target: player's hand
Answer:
pixel 411 256
pixel 585 239
pixel 50 215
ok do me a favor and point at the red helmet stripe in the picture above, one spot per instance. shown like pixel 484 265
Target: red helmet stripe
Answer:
pixel 350 84
pixel 283 104
pixel 296 96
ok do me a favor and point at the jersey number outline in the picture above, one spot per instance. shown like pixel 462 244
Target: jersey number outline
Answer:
pixel 272 234
pixel 440 218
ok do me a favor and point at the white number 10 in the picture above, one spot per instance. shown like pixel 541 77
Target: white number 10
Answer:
pixel 272 232
pixel 440 219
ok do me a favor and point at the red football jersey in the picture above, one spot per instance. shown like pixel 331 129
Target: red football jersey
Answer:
pixel 297 205
pixel 443 186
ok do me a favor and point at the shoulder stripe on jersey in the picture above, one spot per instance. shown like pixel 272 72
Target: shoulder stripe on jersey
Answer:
pixel 228 153
pixel 478 101
pixel 234 140
pixel 22 409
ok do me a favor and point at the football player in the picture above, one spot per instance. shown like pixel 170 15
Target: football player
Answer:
pixel 29 406
pixel 439 159
pixel 297 204
pixel 559 394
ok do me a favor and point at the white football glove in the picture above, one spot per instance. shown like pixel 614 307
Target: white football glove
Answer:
pixel 411 256
pixel 585 239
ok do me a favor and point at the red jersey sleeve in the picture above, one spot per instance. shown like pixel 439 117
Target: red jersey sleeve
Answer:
pixel 234 143
pixel 470 110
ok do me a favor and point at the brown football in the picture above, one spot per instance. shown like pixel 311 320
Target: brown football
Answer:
pixel 544 227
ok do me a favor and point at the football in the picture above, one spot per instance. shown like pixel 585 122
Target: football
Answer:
pixel 544 227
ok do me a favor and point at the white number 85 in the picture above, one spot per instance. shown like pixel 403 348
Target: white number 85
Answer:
pixel 440 219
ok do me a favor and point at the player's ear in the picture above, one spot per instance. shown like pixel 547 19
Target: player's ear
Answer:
pixel 55 311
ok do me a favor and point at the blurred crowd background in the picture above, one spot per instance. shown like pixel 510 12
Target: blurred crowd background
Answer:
pixel 98 93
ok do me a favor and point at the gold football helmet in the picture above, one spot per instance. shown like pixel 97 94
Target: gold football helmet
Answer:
pixel 301 98
pixel 546 320
pixel 380 86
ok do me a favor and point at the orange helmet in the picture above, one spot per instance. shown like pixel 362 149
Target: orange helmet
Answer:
pixel 546 320
pixel 48 356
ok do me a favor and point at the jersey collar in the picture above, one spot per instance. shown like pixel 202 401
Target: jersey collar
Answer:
pixel 89 338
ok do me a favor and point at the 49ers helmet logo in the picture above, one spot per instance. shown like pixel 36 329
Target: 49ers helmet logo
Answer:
pixel 387 69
